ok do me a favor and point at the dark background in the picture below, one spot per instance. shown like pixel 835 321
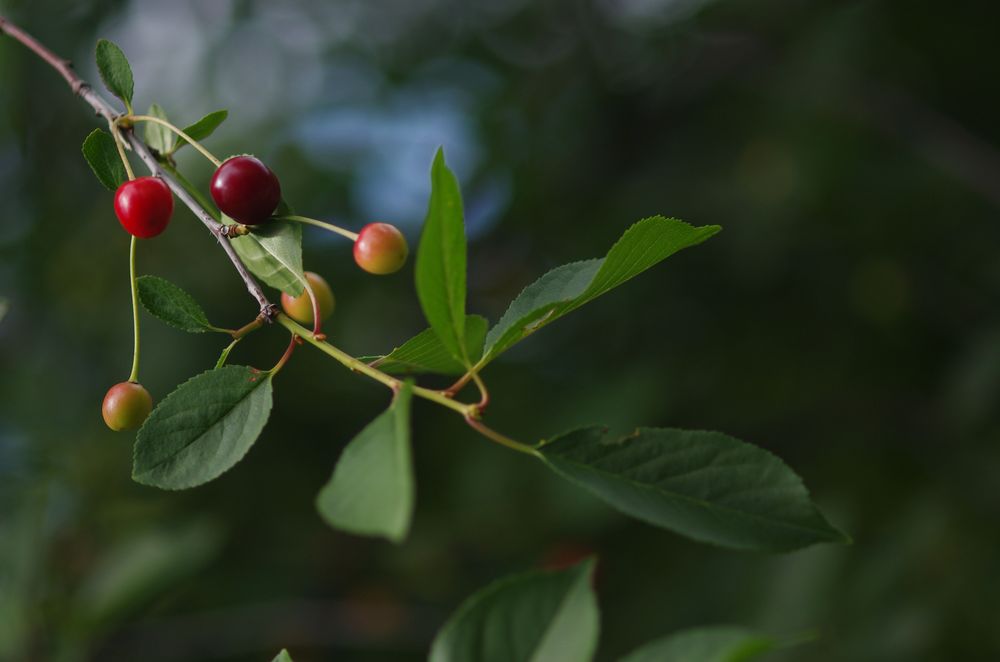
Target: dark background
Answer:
pixel 846 318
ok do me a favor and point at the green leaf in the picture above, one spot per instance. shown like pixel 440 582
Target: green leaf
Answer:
pixel 538 616
pixel 371 491
pixel 158 136
pixel 203 428
pixel 201 129
pixel 425 353
pixel 172 305
pixel 440 269
pixel 704 485
pixel 568 287
pixel 115 70
pixel 283 656
pixel 4 307
pixel 102 154
pixel 720 643
pixel 273 252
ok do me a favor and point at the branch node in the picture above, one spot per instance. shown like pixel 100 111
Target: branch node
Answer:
pixel 269 312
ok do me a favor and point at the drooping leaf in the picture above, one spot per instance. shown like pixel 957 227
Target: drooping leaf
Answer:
pixel 283 656
pixel 158 136
pixel 550 616
pixel 172 305
pixel 102 155
pixel 568 287
pixel 704 485
pixel 720 643
pixel 441 261
pixel 203 428
pixel 201 129
pixel 115 70
pixel 4 307
pixel 424 352
pixel 273 252
pixel 371 491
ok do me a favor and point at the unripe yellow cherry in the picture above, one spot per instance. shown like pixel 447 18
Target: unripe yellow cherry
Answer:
pixel 300 308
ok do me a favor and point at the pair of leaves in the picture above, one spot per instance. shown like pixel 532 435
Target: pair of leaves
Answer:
pixel 554 616
pixel 704 485
pixel 372 489
pixel 165 142
pixel 441 283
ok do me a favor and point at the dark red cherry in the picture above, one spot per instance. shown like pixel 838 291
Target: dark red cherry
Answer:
pixel 144 206
pixel 245 189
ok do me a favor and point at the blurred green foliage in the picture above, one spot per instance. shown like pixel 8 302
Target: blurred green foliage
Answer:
pixel 848 317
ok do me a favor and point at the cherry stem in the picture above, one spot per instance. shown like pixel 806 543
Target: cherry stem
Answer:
pixel 284 357
pixel 314 302
pixel 194 143
pixel 353 236
pixel 484 394
pixel 120 144
pixel 134 376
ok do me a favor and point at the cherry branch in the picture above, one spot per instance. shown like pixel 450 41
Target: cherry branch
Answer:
pixel 103 109
pixel 268 311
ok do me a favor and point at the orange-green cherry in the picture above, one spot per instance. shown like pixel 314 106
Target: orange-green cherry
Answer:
pixel 380 249
pixel 126 406
pixel 300 308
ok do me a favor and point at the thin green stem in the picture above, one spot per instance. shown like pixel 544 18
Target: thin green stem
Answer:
pixel 120 144
pixel 484 394
pixel 503 440
pixel 195 192
pixel 225 353
pixel 470 374
pixel 194 143
pixel 292 342
pixel 134 376
pixel 353 236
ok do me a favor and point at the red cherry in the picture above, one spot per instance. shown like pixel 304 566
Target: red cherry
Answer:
pixel 126 406
pixel 380 249
pixel 245 189
pixel 144 206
